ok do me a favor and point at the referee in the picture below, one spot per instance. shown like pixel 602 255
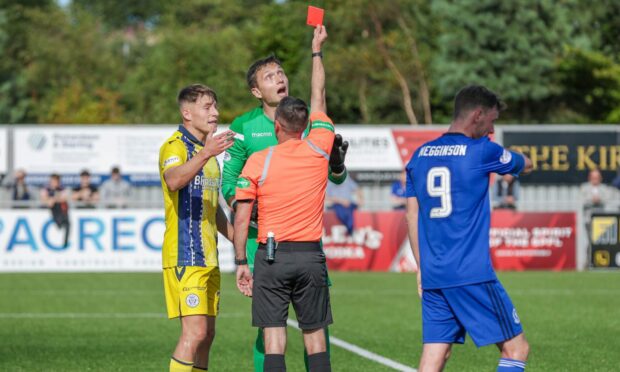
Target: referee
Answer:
pixel 278 178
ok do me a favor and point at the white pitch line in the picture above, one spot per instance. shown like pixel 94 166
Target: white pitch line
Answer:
pixel 362 352
pixel 98 315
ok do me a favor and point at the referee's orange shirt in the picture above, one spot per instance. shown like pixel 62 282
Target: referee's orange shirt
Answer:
pixel 289 182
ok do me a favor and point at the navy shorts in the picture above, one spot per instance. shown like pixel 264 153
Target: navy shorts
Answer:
pixel 483 310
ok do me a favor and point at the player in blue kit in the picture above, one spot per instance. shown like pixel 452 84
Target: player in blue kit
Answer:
pixel 448 215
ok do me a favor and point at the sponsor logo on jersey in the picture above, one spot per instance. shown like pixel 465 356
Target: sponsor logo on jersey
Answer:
pixel 262 134
pixel 506 157
pixel 515 316
pixel 171 160
pixel 192 300
pixel 206 182
pixel 243 183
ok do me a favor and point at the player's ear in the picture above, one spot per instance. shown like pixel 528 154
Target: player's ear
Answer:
pixel 256 92
pixel 186 113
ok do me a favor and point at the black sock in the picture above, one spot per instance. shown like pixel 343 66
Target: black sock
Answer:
pixel 319 362
pixel 274 363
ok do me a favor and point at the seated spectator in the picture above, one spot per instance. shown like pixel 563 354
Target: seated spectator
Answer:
pixel 54 197
pixel 399 200
pixel 20 191
pixel 506 192
pixel 594 193
pixel 343 199
pixel 115 192
pixel 86 194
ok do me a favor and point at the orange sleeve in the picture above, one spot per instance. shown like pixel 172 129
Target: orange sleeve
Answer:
pixel 321 131
pixel 247 183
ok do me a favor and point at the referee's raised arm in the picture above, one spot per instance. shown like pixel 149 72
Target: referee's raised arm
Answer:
pixel 317 88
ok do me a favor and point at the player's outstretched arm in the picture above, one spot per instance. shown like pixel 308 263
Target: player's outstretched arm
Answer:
pixel 527 168
pixel 242 222
pixel 179 176
pixel 412 229
pixel 317 92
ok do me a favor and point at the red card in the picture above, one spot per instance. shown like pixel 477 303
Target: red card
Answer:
pixel 315 16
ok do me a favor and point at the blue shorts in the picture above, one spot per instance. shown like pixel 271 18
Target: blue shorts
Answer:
pixel 483 310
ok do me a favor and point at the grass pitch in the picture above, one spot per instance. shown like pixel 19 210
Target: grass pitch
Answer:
pixel 116 322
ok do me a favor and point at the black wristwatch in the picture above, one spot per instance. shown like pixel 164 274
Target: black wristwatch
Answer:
pixel 241 262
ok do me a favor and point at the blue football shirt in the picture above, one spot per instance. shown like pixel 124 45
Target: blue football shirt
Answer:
pixel 450 178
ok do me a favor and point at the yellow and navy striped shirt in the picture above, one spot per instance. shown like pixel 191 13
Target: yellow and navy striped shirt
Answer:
pixel 191 232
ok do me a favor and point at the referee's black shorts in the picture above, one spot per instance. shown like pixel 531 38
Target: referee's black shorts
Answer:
pixel 298 275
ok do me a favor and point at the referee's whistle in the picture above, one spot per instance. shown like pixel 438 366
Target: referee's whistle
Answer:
pixel 271 247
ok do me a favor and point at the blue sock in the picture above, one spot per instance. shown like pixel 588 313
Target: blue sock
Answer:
pixel 510 365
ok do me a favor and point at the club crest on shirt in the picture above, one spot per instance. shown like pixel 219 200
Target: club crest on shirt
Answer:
pixel 506 157
pixel 226 156
pixel 515 316
pixel 243 183
pixel 192 300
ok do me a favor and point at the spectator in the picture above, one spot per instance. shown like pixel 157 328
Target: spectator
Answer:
pixel 85 194
pixel 115 192
pixel 399 201
pixel 506 192
pixel 594 193
pixel 54 197
pixel 343 199
pixel 20 192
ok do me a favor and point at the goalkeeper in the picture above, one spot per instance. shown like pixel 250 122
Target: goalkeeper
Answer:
pixel 255 131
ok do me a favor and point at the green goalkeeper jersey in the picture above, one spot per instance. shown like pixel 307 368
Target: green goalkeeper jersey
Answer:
pixel 254 131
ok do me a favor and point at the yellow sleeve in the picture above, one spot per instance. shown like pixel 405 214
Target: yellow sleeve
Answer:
pixel 171 154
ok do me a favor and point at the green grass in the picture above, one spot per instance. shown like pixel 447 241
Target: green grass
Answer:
pixel 572 321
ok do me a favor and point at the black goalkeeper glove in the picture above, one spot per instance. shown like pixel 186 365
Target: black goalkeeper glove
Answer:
pixel 254 215
pixel 339 151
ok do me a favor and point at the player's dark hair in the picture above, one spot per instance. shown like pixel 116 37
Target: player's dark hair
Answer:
pixel 256 66
pixel 116 170
pixel 474 96
pixel 55 176
pixel 192 93
pixel 292 113
pixel 85 172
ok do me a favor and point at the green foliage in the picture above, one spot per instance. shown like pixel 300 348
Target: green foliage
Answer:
pixel 591 85
pixel 113 61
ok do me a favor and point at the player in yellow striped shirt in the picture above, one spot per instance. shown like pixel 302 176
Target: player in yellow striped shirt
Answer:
pixel 190 179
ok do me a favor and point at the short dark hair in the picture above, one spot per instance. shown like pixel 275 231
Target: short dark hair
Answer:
pixel 55 176
pixel 191 93
pixel 85 172
pixel 292 113
pixel 474 96
pixel 256 66
pixel 116 170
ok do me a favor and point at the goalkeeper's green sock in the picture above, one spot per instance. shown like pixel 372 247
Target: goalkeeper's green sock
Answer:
pixel 259 352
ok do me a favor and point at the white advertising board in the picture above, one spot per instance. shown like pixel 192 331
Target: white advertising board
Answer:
pixel 100 240
pixel 4 156
pixel 70 149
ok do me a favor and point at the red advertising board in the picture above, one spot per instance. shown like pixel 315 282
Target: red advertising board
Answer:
pixel 532 240
pixel 379 243
pixel 519 241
